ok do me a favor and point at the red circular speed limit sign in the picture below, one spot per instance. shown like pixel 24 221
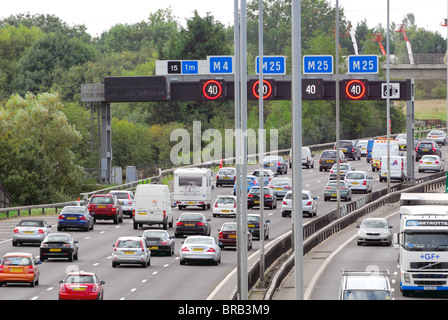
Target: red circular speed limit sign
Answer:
pixel 212 89
pixel 267 89
pixel 355 89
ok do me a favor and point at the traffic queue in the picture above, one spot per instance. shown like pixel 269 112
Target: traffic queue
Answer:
pixel 153 205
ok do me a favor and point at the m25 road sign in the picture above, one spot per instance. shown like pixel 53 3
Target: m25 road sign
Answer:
pixel 318 64
pixel 363 64
pixel 271 65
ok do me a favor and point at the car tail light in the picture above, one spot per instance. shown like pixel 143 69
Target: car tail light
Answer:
pixel 287 187
pixel 114 208
pixel 267 196
pixel 308 203
pixel 211 250
pixel 95 288
pixel 16 230
pixel 216 204
pixel 61 217
pixel 364 183
pixel 279 164
pixel 353 149
pixel 320 161
pixel 217 176
pixel 62 288
pixel 179 223
pixel 185 249
pixel 82 218
pixel 1 268
pixel 164 213
pixel 284 202
pixel 40 231
pixel 200 224
pixel 30 269
pixel 163 242
pixel 421 161
pixel 437 161
pixel 250 195
pixel 220 236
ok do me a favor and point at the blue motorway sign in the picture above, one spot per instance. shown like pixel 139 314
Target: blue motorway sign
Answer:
pixel 271 65
pixel 318 64
pixel 363 64
pixel 190 67
pixel 220 64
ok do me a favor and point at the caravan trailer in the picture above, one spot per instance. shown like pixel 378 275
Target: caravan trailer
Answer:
pixel 192 187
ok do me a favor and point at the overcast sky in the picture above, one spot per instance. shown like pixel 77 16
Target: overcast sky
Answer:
pixel 100 15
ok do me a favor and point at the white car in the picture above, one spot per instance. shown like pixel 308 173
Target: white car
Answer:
pixel 362 145
pixel 267 173
pixel 359 180
pixel 224 205
pixel 309 204
pixel 344 168
pixel 375 231
pixel 200 248
pixel 126 199
pixel 131 250
pixel 438 136
pixel 431 163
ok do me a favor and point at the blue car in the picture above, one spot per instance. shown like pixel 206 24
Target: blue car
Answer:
pixel 75 217
pixel 252 181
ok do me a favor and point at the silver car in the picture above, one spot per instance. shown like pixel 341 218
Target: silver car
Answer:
pixel 131 250
pixel 126 199
pixel 431 163
pixel 438 136
pixel 280 186
pixel 200 248
pixel 30 231
pixel 343 169
pixel 374 230
pixel 309 204
pixel 359 180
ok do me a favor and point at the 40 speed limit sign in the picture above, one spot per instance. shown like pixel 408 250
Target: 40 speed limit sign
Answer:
pixel 212 89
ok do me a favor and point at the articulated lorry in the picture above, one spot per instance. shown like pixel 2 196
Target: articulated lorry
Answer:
pixel 423 242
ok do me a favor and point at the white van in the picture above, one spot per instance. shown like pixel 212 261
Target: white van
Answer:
pixel 379 150
pixel 152 205
pixel 193 187
pixel 307 158
pixel 398 168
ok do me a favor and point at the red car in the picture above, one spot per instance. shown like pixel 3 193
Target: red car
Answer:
pixel 227 236
pixel 81 286
pixel 105 207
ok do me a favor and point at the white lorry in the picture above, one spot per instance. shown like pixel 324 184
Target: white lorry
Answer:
pixel 379 150
pixel 192 187
pixel 423 242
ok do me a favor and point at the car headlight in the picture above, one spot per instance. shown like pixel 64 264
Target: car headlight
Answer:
pixel 406 277
pixel 361 233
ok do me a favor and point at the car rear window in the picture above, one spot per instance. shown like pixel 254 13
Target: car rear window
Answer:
pixel 101 200
pixel 329 154
pixel 228 172
pixel 31 223
pixel 226 200
pixel 354 175
pixel 425 145
pixel 73 210
pixel 80 279
pixel 229 227
pixel 345 143
pixel 129 244
pixel 16 261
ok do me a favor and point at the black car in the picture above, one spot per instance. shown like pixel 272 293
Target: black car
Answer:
pixel 192 223
pixel 427 147
pixel 253 198
pixel 159 241
pixel 59 245
pixel 253 225
pixel 350 149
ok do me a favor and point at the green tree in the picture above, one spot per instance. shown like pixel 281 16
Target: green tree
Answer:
pixel 36 159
